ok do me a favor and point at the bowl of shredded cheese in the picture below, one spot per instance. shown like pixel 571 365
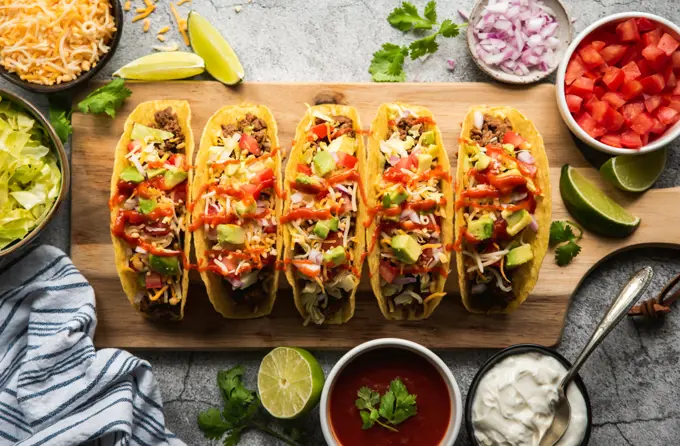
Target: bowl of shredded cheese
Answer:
pixel 52 45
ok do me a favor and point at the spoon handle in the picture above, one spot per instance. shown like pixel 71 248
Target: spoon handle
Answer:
pixel 628 296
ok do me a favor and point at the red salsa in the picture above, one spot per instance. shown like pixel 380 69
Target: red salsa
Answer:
pixel 376 369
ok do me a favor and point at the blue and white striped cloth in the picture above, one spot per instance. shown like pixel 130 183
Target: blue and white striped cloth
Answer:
pixel 55 389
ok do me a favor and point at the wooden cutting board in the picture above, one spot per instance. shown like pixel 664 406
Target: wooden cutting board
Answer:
pixel 540 320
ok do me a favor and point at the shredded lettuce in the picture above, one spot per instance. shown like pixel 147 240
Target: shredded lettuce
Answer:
pixel 29 175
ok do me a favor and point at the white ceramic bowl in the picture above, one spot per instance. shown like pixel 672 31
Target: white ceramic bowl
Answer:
pixel 657 144
pixel 454 392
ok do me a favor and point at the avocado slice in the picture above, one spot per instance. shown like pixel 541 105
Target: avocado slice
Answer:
pixel 131 175
pixel 394 197
pixel 168 266
pixel 427 138
pixel 333 223
pixel 406 248
pixel 173 177
pixel 143 132
pixel 336 256
pixel 323 163
pixel 482 228
pixel 155 172
pixel 424 162
pixel 231 234
pixel 321 228
pixel 517 220
pixel 518 256
pixel 482 162
pixel 342 144
pixel 306 180
pixel 244 208
pixel 147 205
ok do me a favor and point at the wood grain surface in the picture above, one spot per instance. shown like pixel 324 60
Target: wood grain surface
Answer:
pixel 540 320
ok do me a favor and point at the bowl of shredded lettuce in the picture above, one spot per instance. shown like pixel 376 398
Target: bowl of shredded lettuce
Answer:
pixel 34 173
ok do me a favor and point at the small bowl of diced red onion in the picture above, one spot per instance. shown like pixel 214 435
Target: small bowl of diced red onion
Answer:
pixel 618 87
pixel 519 41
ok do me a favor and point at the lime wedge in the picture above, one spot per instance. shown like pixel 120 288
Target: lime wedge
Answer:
pixel 289 382
pixel 163 67
pixel 220 60
pixel 634 173
pixel 592 208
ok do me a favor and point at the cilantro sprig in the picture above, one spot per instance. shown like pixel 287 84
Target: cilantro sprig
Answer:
pixel 242 411
pixel 387 64
pixel 392 408
pixel 106 99
pixel 562 235
pixel 60 116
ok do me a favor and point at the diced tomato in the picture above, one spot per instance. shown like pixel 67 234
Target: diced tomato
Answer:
pixel 666 115
pixel 669 77
pixel 631 140
pixel 653 84
pixel 334 238
pixel 589 125
pixel 575 69
pixel 179 193
pixel 628 31
pixel 675 105
pixel 599 111
pixel 676 60
pixel 676 90
pixel 153 280
pixel 388 272
pixel 599 91
pixel 668 44
pixel 656 57
pixel 631 90
pixel 644 67
pixel 644 24
pixel 613 78
pixel 592 75
pixel 631 72
pixel 581 87
pixel 611 140
pixel 513 138
pixel 631 110
pixel 642 123
pixel 346 160
pixel 249 144
pixel 134 145
pixel 614 99
pixel 304 168
pixel 589 102
pixel 658 127
pixel 262 176
pixel 574 102
pixel 407 162
pixel 591 56
pixel 652 37
pixel 652 102
pixel 598 44
pixel 644 139
pixel 500 229
pixel 632 54
pixel 320 130
pixel 614 119
pixel 613 53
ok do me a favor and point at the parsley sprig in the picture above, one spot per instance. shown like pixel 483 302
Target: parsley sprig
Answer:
pixel 388 62
pixel 562 235
pixel 241 412
pixel 106 99
pixel 395 406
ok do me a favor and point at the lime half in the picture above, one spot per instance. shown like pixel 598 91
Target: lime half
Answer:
pixel 163 67
pixel 635 173
pixel 592 208
pixel 289 382
pixel 220 60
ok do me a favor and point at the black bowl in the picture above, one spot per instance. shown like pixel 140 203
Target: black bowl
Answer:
pixel 117 12
pixel 515 350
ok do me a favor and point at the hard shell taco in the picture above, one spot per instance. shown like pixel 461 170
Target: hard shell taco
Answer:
pixel 503 209
pixel 324 213
pixel 149 218
pixel 410 212
pixel 236 207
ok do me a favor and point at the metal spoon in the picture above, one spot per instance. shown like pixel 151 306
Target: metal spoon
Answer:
pixel 628 296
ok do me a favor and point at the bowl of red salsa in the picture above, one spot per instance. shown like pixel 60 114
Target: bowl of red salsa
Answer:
pixel 618 85
pixel 423 408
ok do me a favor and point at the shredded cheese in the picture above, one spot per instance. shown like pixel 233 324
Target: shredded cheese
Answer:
pixel 164 30
pixel 160 37
pixel 181 24
pixel 181 2
pixel 147 25
pixel 128 5
pixel 145 13
pixel 159 293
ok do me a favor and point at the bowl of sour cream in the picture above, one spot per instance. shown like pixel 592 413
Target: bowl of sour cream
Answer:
pixel 509 401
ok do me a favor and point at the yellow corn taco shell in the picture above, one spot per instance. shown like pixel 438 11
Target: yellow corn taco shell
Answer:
pixel 144 114
pixel 347 311
pixel 379 132
pixel 219 292
pixel 526 275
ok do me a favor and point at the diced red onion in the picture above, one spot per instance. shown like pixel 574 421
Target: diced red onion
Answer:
pixel 411 215
pixel 404 280
pixel 451 63
pixel 517 196
pixel 315 256
pixel 342 188
pixel 534 224
pixel 479 119
pixel 464 14
pixel 335 156
pixel 526 157
pixel 296 197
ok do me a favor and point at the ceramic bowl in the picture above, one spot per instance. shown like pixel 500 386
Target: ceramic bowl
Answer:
pixel 565 34
pixel 376 344
pixel 657 144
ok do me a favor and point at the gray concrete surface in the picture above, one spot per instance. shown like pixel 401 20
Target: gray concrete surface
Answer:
pixel 633 379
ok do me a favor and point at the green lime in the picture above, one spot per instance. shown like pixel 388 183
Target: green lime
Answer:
pixel 634 173
pixel 592 208
pixel 220 60
pixel 289 382
pixel 163 67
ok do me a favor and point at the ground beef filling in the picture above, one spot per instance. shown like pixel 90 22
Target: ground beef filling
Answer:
pixel 345 125
pixel 167 120
pixel 404 125
pixel 253 125
pixel 492 131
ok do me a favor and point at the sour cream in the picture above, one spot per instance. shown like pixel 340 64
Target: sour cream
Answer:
pixel 512 403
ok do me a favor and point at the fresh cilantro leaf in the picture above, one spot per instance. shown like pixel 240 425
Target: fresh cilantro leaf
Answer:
pixel 388 64
pixel 406 17
pixel 105 99
pixel 431 11
pixel 61 121
pixel 234 437
pixel 560 232
pixel 367 398
pixel 421 47
pixel 369 418
pixel 212 424
pixel 404 405
pixel 564 254
pixel 387 402
pixel 449 29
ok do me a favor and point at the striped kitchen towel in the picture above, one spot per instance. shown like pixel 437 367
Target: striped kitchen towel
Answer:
pixel 55 388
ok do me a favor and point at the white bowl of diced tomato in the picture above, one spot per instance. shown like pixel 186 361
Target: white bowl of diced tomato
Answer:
pixel 618 86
